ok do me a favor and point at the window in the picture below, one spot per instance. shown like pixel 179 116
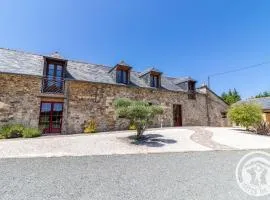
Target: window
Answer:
pixel 122 76
pixel 191 86
pixel 191 90
pixel 53 80
pixel 154 81
pixel 224 115
pixel 50 119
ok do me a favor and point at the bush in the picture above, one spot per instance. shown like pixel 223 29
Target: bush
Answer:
pixel 17 130
pixel 245 114
pixel 31 132
pixel 90 127
pixel 263 128
pixel 11 131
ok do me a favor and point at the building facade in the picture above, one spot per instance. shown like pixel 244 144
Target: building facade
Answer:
pixel 59 95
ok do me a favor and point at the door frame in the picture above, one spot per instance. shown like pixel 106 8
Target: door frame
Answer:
pixel 179 121
pixel 50 129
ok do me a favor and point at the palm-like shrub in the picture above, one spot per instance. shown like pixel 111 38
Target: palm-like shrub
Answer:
pixel 140 113
pixel 245 114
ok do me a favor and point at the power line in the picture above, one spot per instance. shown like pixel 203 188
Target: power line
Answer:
pixel 236 70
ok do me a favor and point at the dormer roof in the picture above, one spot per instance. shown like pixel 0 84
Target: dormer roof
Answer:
pixel 183 79
pixel 148 70
pixel 121 64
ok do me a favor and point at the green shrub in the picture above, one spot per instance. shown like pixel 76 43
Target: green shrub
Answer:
pixel 18 130
pixel 245 114
pixel 5 131
pixel 11 130
pixel 31 132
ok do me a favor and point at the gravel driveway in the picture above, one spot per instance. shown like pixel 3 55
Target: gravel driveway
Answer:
pixel 158 141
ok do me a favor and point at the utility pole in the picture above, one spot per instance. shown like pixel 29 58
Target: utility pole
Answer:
pixel 208 82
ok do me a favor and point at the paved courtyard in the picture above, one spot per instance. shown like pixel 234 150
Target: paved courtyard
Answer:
pixel 158 141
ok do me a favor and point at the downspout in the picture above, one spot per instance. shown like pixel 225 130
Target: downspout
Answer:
pixel 66 106
pixel 207 100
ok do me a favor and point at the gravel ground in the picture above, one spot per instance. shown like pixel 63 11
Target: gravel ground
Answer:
pixel 205 175
pixel 160 140
pixel 239 138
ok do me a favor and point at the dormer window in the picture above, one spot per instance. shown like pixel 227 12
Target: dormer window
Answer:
pixel 155 80
pixel 121 73
pixel 191 90
pixel 53 80
pixel 152 77
pixel 191 85
pixel 122 76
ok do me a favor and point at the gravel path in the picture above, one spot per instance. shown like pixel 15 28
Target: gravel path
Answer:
pixel 204 137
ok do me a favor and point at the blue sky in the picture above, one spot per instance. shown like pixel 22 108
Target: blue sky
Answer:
pixel 181 38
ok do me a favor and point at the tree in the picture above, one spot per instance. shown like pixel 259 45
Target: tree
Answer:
pixel 245 114
pixel 140 113
pixel 264 94
pixel 231 97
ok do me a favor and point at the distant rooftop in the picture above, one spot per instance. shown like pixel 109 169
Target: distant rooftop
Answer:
pixel 264 102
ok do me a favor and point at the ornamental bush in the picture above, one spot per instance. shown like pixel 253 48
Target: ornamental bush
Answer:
pixel 140 113
pixel 90 127
pixel 245 114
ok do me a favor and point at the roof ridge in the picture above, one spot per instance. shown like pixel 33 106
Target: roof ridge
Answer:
pixel 36 54
pixel 21 51
pixel 89 63
pixel 85 62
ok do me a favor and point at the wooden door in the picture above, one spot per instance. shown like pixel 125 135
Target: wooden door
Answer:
pixel 50 120
pixel 177 115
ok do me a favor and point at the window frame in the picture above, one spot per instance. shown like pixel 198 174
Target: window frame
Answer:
pixel 124 75
pixel 155 80
pixel 191 90
pixel 55 63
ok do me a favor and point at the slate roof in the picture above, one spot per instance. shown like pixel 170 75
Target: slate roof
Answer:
pixel 150 69
pixel 184 79
pixel 264 102
pixel 19 62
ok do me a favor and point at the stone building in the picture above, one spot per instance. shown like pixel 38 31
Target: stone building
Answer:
pixel 60 95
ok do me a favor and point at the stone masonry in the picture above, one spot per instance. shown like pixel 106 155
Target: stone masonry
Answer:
pixel 20 102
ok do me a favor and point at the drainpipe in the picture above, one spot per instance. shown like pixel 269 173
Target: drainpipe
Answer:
pixel 66 104
pixel 207 101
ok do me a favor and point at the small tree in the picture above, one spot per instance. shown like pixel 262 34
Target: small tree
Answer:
pixel 140 113
pixel 231 97
pixel 264 94
pixel 245 114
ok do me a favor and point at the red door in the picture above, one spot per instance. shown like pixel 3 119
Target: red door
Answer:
pixel 177 115
pixel 50 120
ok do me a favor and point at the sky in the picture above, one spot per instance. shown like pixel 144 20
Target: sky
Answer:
pixel 194 38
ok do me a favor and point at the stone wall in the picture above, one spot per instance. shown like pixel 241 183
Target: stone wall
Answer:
pixel 20 102
pixel 95 101
pixel 19 99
